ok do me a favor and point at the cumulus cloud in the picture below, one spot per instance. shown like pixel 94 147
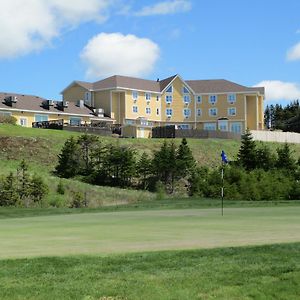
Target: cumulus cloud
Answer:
pixel 165 8
pixel 277 90
pixel 294 53
pixel 28 25
pixel 108 54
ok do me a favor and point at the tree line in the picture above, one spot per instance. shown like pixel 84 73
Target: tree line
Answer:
pixel 116 165
pixel 256 174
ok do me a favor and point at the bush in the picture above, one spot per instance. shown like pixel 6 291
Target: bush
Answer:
pixel 8 120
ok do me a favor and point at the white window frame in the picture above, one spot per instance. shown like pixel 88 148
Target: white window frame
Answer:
pixel 88 98
pixel 185 114
pixel 231 98
pixel 236 124
pixel 135 95
pixel 148 110
pixel 170 87
pixel 183 126
pixel 171 112
pixel 199 110
pixel 158 98
pixel 210 126
pixel 46 116
pixel 23 119
pixel 157 112
pixel 148 96
pixel 135 109
pixel 214 101
pixel 229 113
pixel 210 110
pixel 5 114
pixel 79 120
pixel 197 99
pixel 168 97
pixel 186 99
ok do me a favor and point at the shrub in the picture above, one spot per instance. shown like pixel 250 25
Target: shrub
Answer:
pixel 8 120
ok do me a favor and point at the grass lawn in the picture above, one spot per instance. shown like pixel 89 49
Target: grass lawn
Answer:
pixel 261 272
pixel 133 231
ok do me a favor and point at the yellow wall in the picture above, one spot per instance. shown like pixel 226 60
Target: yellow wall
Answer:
pixel 30 117
pixel 74 93
pixel 251 112
pixel 102 100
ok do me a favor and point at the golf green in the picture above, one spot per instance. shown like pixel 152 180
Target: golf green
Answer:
pixel 134 231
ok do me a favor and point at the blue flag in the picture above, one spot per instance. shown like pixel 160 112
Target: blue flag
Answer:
pixel 224 157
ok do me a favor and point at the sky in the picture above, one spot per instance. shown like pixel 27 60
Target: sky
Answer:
pixel 47 44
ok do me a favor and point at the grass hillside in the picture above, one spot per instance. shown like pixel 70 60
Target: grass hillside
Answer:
pixel 40 148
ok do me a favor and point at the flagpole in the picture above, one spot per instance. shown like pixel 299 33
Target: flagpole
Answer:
pixel 222 189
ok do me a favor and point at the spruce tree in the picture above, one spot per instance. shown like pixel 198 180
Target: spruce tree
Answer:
pixel 68 159
pixel 185 161
pixel 144 170
pixel 247 151
pixel 38 189
pixel 285 158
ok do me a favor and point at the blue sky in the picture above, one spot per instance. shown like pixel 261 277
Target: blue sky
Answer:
pixel 45 45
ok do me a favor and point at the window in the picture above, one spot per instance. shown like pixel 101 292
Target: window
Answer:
pixel 186 99
pixel 231 111
pixel 231 98
pixel 169 89
pixel 169 112
pixel 199 112
pixel 213 99
pixel 88 98
pixel 5 113
pixel 213 112
pixel 148 96
pixel 135 109
pixel 185 90
pixel 187 112
pixel 210 126
pixel 41 118
pixel 183 126
pixel 236 127
pixel 157 111
pixel 198 98
pixel 130 122
pixel 148 110
pixel 135 95
pixel 157 98
pixel 23 122
pixel 75 121
pixel 169 98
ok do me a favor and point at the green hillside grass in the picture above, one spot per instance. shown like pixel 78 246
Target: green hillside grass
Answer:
pixel 261 272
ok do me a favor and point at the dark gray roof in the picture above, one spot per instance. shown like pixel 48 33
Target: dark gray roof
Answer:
pixel 35 103
pixel 198 86
pixel 220 86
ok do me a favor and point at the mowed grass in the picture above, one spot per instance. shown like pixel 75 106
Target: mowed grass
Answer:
pixel 149 230
pixel 261 272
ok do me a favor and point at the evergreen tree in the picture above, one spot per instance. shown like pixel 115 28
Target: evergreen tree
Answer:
pixel 247 151
pixel 9 195
pixel 185 161
pixel 264 158
pixel 38 189
pixel 285 159
pixel 68 159
pixel 144 170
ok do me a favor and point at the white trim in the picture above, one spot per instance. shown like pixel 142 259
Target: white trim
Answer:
pixel 228 109
pixel 245 104
pixel 257 121
pixel 211 114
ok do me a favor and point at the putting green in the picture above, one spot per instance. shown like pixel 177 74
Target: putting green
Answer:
pixel 118 232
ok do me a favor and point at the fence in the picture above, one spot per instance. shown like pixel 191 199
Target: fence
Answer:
pixel 276 136
pixel 171 132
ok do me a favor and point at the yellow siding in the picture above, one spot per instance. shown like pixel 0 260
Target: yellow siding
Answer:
pixel 251 112
pixel 142 104
pixel 102 100
pixel 74 93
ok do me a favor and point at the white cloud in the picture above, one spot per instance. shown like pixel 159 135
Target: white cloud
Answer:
pixel 108 54
pixel 29 25
pixel 165 8
pixel 277 90
pixel 294 53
